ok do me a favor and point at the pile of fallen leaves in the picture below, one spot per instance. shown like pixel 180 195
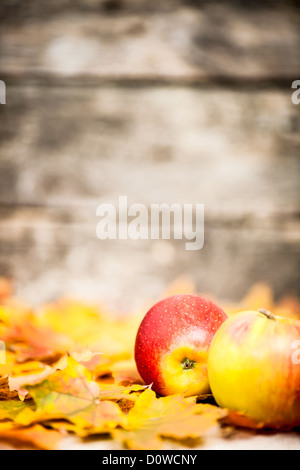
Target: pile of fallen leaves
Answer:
pixel 69 369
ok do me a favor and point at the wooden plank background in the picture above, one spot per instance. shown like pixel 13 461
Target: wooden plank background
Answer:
pixel 177 101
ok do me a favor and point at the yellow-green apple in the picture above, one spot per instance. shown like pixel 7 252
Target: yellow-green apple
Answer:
pixel 172 344
pixel 254 370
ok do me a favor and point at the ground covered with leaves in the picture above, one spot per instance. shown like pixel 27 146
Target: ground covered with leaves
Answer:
pixel 69 368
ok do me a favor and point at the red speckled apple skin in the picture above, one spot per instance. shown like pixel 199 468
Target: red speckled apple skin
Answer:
pixel 179 320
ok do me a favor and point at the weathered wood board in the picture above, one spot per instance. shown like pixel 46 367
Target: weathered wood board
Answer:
pixel 170 39
pixel 162 103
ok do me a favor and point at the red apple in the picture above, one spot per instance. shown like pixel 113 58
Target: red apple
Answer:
pixel 254 369
pixel 172 344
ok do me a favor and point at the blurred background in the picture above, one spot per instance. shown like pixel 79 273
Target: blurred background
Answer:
pixel 165 102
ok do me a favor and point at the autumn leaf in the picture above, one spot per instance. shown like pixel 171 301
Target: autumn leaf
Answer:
pixel 181 285
pixel 238 419
pixel 125 372
pixel 33 436
pixel 12 312
pixel 31 341
pixel 9 409
pixel 98 364
pixel 6 289
pixel 65 391
pixel 93 327
pixel 29 373
pixel 70 369
pixel 288 306
pixel 152 418
pixel 260 295
pixel 5 392
pixel 73 395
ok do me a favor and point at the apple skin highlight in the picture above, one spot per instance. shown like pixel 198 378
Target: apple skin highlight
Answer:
pixel 172 343
pixel 252 372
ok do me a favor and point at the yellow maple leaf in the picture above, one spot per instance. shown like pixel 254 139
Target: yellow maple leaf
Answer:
pixel 152 418
pixel 72 394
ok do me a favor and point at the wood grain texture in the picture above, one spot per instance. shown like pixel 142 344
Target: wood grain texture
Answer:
pixel 224 148
pixel 174 41
pixel 178 101
pixel 54 252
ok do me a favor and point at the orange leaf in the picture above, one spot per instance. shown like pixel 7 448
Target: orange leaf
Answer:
pixel 36 436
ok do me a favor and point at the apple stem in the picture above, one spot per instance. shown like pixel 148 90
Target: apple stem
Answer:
pixel 267 313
